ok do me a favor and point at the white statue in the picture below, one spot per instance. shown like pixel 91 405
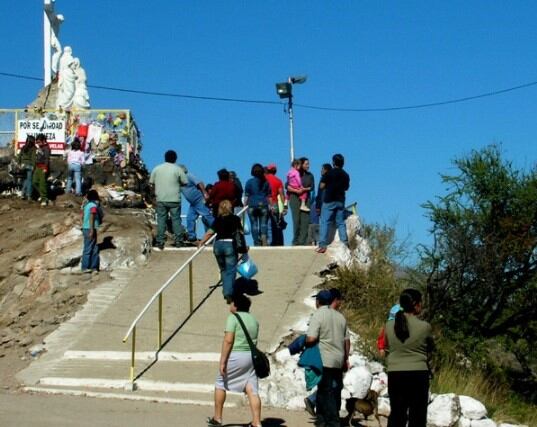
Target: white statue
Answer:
pixel 66 84
pixel 81 97
pixel 65 59
pixel 57 48
pixel 52 22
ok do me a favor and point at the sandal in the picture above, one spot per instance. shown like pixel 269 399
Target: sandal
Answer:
pixel 212 422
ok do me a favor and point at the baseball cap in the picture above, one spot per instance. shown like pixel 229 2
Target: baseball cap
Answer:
pixel 336 293
pixel 271 167
pixel 324 297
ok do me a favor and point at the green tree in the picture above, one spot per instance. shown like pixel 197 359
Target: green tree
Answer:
pixel 482 268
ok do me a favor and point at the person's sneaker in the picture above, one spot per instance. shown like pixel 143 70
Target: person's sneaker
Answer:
pixel 179 245
pixel 310 409
pixel 320 250
pixel 158 247
pixel 44 203
pixel 304 208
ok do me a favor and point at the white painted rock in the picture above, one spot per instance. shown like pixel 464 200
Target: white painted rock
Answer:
pixel 464 422
pixel 340 253
pixel 357 381
pixel 375 367
pixel 472 408
pixel 380 382
pixel 295 403
pixel 384 406
pixel 356 360
pixel 283 355
pixel 345 394
pixel 443 411
pixel 485 422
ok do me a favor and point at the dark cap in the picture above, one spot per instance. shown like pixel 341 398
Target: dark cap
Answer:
pixel 336 293
pixel 324 297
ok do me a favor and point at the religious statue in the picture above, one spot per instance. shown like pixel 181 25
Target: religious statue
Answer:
pixel 66 82
pixel 65 59
pixel 81 97
pixel 51 32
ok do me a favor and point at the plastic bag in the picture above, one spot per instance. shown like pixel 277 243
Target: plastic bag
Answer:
pixel 246 228
pixel 247 267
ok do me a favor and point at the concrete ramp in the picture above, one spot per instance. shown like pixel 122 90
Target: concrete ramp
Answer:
pixel 86 355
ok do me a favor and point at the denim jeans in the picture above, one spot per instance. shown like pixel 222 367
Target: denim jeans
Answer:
pixel 329 397
pixel 332 212
pixel 76 170
pixel 174 208
pixel 196 210
pixel 275 233
pixel 90 252
pixel 258 223
pixel 27 187
pixel 227 262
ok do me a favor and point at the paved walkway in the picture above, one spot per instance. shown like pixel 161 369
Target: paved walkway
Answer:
pixel 86 355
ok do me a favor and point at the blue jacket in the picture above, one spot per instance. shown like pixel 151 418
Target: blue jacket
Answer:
pixel 310 360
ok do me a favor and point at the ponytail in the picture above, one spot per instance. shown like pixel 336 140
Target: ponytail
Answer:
pixel 408 299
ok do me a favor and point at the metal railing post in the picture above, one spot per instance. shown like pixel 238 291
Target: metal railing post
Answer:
pixel 159 321
pixel 191 286
pixel 133 352
pixel 158 294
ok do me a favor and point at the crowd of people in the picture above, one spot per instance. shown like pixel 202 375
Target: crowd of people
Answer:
pixel 405 340
pixel 267 198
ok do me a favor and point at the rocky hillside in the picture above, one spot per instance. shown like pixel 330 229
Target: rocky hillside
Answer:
pixel 40 280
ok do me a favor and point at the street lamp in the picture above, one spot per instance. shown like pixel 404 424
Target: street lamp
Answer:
pixel 285 90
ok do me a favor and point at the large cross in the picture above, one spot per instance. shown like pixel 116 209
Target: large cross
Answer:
pixel 51 29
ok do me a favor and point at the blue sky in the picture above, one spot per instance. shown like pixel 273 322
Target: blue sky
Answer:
pixel 357 54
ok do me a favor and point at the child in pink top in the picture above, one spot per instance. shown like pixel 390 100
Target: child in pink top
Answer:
pixel 295 182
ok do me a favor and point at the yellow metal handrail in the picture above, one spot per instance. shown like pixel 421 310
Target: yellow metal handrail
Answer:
pixel 158 295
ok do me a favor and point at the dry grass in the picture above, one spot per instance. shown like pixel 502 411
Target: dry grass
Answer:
pixel 369 296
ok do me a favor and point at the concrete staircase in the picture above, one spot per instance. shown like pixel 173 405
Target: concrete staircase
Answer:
pixel 86 355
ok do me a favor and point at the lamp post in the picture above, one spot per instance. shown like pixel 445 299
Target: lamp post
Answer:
pixel 285 90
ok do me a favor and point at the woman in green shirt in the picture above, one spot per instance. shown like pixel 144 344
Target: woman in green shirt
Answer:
pixel 236 367
pixel 409 343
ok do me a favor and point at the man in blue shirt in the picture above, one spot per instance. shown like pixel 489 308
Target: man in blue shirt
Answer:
pixel 194 192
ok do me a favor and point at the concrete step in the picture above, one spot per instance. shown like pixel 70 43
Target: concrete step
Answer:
pixel 163 370
pixel 148 392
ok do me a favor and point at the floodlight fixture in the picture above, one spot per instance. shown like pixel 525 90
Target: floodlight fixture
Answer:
pixel 285 91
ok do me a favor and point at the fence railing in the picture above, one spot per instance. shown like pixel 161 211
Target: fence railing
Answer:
pixel 158 297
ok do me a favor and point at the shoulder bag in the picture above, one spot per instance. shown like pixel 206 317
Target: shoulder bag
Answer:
pixel 239 242
pixel 260 360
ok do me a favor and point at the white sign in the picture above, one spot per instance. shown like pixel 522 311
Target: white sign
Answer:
pixel 54 130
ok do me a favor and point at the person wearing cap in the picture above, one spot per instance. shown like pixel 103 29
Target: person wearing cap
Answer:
pixel 328 327
pixel 277 207
pixel 310 401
